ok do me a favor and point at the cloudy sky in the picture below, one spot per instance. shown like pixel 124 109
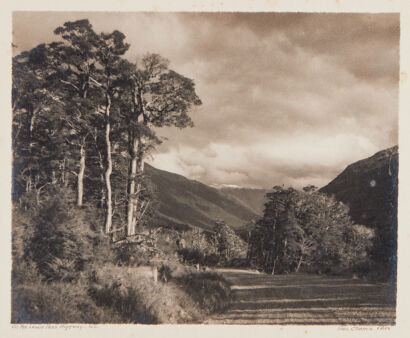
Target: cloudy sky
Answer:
pixel 287 98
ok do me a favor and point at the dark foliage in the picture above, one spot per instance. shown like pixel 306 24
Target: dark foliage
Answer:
pixel 56 303
pixel 127 303
pixel 307 231
pixel 191 256
pixel 132 254
pixel 62 239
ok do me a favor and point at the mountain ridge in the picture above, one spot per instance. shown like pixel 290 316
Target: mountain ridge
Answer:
pixel 369 188
pixel 367 183
pixel 185 203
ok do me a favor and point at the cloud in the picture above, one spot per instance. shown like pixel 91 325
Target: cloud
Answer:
pixel 313 159
pixel 288 98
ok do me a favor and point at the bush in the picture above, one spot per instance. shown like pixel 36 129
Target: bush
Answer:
pixel 239 263
pixel 56 303
pixel 172 270
pixel 229 245
pixel 59 238
pixel 129 254
pixel 201 240
pixel 191 256
pixel 126 302
pixel 24 270
pixel 212 260
pixel 216 248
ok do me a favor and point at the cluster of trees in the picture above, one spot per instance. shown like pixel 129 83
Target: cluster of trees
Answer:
pixel 222 246
pixel 84 118
pixel 309 231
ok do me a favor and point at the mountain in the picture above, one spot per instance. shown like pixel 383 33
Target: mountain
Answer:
pixel 369 188
pixel 185 203
pixel 254 199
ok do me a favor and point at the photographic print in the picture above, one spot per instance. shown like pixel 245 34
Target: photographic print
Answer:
pixel 204 168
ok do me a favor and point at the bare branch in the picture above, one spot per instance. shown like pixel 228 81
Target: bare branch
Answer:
pixel 96 82
pixel 71 84
pixel 142 214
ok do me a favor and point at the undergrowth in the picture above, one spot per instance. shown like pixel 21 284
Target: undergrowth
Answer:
pixel 66 271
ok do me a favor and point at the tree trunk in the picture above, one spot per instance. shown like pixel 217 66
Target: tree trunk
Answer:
pixel 135 149
pixel 131 190
pixel 108 171
pixel 29 182
pixel 103 191
pixel 299 263
pixel 34 111
pixel 136 168
pixel 138 204
pixel 32 120
pixel 63 175
pixel 274 265
pixel 80 178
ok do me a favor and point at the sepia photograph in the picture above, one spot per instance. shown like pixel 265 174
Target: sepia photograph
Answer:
pixel 229 168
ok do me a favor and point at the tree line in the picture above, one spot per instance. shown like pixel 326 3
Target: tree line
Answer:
pixel 84 117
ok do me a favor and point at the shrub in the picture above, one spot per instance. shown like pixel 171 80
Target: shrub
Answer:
pixel 212 260
pixel 56 303
pixel 126 302
pixel 24 270
pixel 239 263
pixel 137 251
pixel 229 245
pixel 191 256
pixel 62 241
pixel 172 270
pixel 128 254
pixel 216 248
pixel 203 241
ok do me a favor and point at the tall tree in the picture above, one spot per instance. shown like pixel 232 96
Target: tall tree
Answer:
pixel 110 49
pixel 91 70
pixel 160 97
pixel 77 73
pixel 35 112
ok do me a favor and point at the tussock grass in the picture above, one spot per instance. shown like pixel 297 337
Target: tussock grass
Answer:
pixel 210 290
pixel 57 303
pixel 137 299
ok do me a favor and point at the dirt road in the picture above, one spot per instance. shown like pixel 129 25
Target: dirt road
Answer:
pixel 299 299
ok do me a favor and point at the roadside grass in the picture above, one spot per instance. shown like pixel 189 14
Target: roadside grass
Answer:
pixel 210 290
pixel 181 295
pixel 57 302
pixel 132 294
pixel 118 294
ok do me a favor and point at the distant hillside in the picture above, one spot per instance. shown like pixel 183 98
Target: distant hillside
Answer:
pixel 369 187
pixel 185 203
pixel 252 198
